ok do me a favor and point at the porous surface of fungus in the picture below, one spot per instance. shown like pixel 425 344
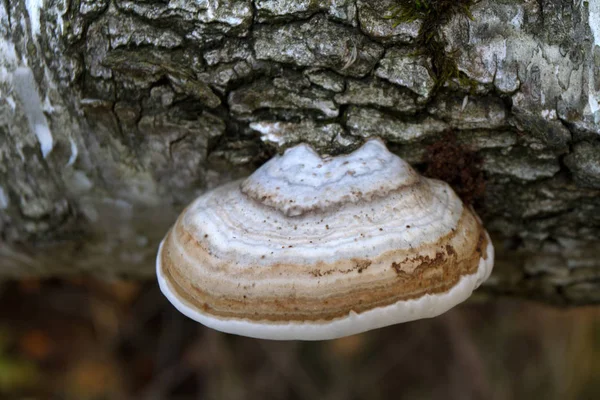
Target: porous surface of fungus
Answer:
pixel 317 248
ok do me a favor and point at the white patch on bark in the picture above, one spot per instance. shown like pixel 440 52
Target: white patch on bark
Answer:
pixel 81 182
pixel 74 152
pixel 549 115
pixel 593 95
pixel 594 20
pixel 26 88
pixel 10 101
pixel 8 62
pixel 464 103
pixel 47 106
pixel 517 20
pixel 212 5
pixel 3 199
pixel 270 132
pixel 8 58
pixel 61 5
pixel 33 9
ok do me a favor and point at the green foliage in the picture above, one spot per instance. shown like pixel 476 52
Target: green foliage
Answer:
pixel 16 373
pixel 433 13
pixel 409 11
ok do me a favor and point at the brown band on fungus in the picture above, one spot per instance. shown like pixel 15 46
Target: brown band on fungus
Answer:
pixel 429 275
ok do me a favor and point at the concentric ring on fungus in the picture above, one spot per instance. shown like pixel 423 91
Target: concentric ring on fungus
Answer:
pixel 317 248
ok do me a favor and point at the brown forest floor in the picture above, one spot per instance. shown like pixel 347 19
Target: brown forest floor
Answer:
pixel 86 339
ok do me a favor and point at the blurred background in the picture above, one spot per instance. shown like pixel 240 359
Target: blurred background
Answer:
pixel 88 339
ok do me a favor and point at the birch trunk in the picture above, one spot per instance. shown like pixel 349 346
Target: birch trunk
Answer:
pixel 115 114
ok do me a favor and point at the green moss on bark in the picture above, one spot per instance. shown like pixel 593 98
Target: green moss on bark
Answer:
pixel 434 13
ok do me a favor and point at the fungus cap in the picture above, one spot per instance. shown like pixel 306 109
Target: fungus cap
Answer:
pixel 317 248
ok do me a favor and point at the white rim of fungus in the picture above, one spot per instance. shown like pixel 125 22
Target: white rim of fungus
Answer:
pixel 427 306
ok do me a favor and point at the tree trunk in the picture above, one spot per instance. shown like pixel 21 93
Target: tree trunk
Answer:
pixel 115 114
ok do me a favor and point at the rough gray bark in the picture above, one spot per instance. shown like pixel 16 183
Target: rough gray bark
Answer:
pixel 115 114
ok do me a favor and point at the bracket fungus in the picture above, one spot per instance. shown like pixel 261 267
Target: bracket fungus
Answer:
pixel 316 248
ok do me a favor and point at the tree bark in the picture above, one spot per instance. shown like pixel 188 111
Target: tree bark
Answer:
pixel 115 114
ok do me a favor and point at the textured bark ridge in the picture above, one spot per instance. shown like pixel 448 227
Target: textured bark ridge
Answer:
pixel 115 114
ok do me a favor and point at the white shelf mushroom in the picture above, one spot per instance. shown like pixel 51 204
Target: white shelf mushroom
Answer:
pixel 315 248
